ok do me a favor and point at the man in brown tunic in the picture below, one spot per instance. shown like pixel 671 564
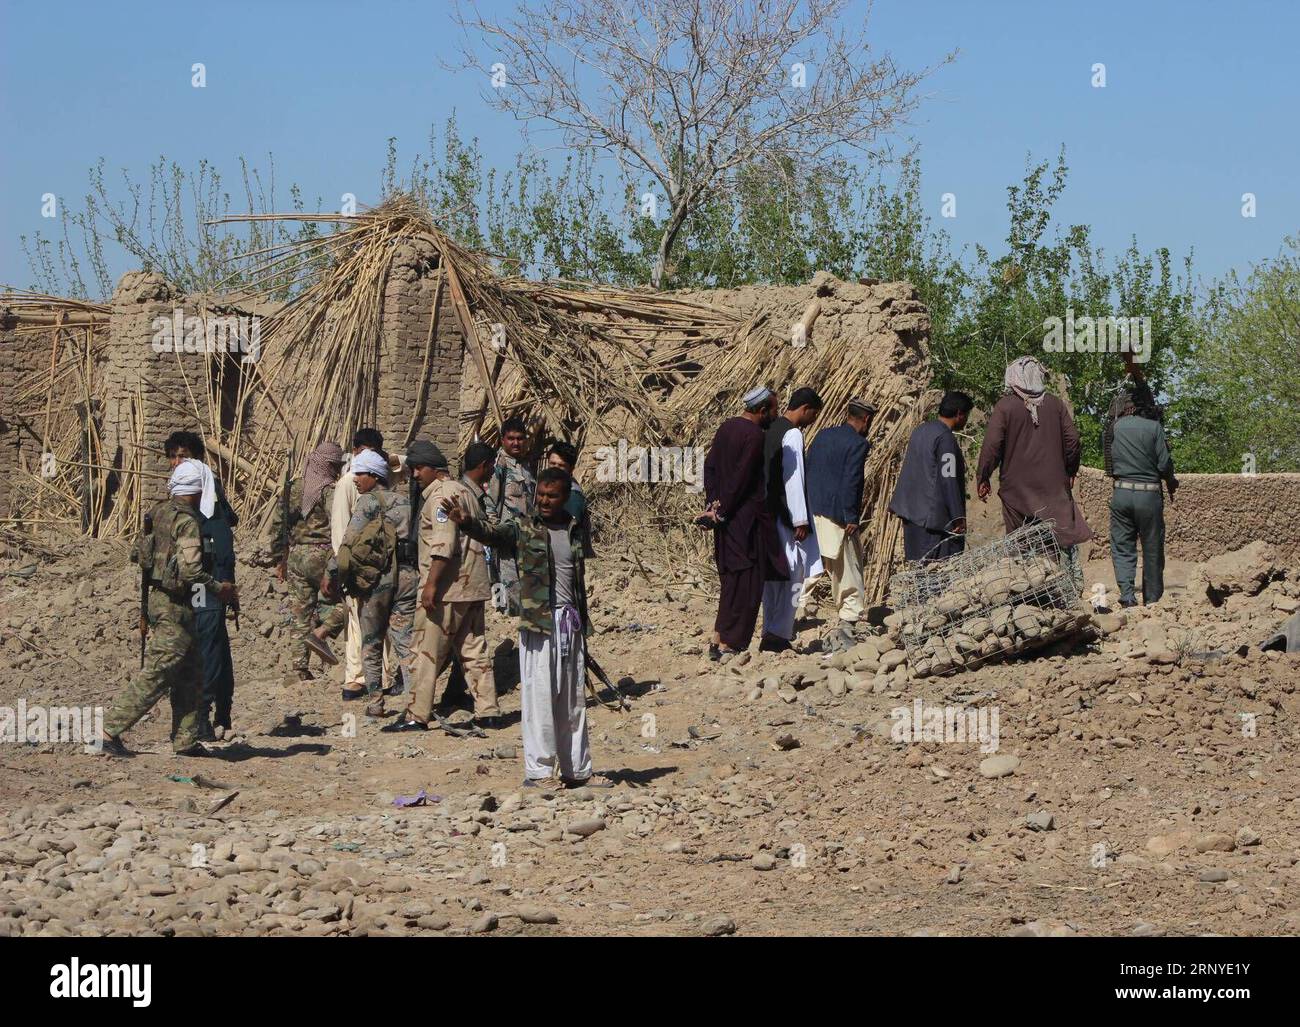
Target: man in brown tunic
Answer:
pixel 1032 439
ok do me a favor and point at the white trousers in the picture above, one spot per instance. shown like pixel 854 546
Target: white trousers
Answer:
pixel 779 598
pixel 353 676
pixel 554 704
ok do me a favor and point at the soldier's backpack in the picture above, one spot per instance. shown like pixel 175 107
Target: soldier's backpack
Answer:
pixel 363 561
pixel 154 551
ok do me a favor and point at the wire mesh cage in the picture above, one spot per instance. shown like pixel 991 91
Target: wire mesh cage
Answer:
pixel 1011 594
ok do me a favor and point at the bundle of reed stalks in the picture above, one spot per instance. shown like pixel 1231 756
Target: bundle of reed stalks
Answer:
pixel 590 364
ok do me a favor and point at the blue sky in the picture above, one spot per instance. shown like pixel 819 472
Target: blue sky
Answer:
pixel 1200 106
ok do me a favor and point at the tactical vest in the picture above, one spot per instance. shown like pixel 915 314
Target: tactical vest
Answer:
pixel 156 551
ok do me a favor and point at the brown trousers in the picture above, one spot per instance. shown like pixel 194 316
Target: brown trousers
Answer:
pixel 458 628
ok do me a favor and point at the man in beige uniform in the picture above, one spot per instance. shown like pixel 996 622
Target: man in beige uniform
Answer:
pixel 455 587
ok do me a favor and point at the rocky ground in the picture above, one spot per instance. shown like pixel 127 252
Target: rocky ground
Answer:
pixel 1143 782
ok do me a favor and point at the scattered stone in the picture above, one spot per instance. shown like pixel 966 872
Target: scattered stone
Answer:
pixel 999 766
pixel 586 827
pixel 1214 843
pixel 717 926
pixel 1040 821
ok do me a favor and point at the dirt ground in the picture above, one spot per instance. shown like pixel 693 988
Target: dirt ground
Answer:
pixel 1152 788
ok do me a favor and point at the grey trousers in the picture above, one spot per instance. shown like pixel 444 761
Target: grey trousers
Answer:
pixel 1133 516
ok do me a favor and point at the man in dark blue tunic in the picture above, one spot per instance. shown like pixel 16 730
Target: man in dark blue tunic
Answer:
pixel 837 462
pixel 931 494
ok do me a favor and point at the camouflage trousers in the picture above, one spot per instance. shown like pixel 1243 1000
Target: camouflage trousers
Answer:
pixel 307 565
pixel 170 667
pixel 389 613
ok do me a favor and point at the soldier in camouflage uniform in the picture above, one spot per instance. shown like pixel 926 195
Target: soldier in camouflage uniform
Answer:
pixel 553 625
pixel 171 554
pixel 510 496
pixel 388 610
pixel 310 501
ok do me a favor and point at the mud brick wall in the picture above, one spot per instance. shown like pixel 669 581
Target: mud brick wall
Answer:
pixel 133 372
pixel 21 357
pixel 420 377
pixel 1211 514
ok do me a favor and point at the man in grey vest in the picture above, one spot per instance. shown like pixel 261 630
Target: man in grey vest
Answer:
pixel 1140 461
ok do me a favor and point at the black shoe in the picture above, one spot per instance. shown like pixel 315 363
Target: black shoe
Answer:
pixel 493 722
pixel 1128 603
pixel 715 654
pixel 360 693
pixel 197 749
pixel 772 644
pixel 116 748
pixel 404 724
pixel 396 688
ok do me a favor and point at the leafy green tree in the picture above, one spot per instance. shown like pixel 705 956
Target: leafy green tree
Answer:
pixel 1239 392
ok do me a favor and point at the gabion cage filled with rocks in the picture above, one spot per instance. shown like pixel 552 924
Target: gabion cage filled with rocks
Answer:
pixel 992 600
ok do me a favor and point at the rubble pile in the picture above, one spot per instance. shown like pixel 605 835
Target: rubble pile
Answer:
pixel 1135 778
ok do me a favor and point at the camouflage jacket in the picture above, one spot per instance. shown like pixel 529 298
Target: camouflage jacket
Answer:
pixel 529 542
pixel 312 530
pixel 510 490
pixel 390 504
pixel 173 552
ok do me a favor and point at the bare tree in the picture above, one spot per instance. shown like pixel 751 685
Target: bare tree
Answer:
pixel 690 91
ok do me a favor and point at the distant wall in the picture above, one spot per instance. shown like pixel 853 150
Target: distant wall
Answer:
pixel 1211 514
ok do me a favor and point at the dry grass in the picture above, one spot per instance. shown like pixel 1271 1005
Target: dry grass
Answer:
pixel 590 364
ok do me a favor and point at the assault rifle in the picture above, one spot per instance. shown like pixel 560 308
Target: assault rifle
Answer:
pixel 146 567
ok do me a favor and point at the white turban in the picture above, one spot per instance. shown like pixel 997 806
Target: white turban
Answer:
pixel 370 462
pixel 186 479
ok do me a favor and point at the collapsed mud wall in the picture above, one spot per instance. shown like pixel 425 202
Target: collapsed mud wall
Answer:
pixel 149 393
pixel 421 355
pixel 22 355
pixel 141 385
pixel 887 319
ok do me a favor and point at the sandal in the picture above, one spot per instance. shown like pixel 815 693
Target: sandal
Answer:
pixel 594 781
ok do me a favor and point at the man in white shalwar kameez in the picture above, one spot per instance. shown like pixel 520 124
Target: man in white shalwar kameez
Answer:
pixel 553 626
pixel 787 495
pixel 345 501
